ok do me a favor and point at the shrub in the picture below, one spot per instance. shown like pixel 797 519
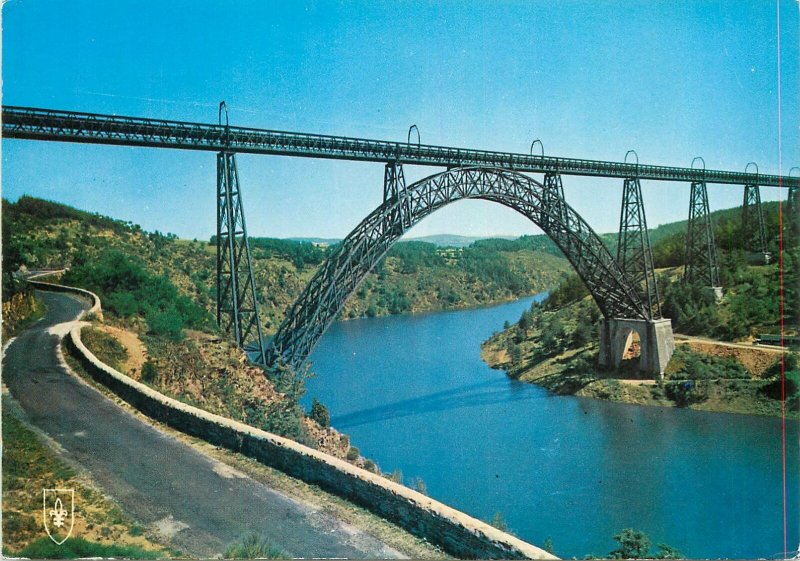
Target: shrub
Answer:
pixel 499 522
pixel 285 419
pixel 684 393
pixel 149 372
pixel 788 387
pixel 353 453
pixel 167 324
pixel 253 547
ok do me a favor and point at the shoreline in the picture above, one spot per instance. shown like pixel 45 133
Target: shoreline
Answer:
pixel 557 374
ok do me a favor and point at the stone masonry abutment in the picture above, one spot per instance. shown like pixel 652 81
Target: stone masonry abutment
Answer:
pixel 655 337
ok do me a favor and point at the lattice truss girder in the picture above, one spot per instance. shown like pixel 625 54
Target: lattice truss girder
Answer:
pixel 754 234
pixel 237 305
pixel 634 255
pixel 72 126
pixel 701 248
pixel 326 293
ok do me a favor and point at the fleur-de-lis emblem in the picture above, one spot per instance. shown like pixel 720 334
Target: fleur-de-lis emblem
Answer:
pixel 58 513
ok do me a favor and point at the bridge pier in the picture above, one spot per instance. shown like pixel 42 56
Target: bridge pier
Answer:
pixel 754 233
pixel 701 248
pixel 655 339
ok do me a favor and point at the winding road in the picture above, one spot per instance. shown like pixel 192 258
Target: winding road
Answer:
pixel 200 504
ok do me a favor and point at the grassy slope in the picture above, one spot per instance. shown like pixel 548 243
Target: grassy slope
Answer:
pixel 723 380
pixel 571 369
pixel 30 466
pixel 48 235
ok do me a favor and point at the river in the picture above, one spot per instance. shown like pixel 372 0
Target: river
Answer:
pixel 413 394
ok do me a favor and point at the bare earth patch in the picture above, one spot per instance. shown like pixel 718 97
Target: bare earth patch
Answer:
pixel 755 359
pixel 137 353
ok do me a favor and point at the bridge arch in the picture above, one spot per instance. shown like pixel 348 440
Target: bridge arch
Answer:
pixel 324 296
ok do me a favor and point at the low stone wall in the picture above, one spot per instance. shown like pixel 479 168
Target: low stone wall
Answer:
pixel 96 308
pixel 455 532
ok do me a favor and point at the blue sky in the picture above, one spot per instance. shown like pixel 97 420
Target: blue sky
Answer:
pixel 591 79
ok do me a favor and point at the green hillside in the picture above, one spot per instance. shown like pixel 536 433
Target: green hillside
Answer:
pixel 414 277
pixel 555 344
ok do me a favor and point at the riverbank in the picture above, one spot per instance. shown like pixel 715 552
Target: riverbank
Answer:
pixel 560 467
pixel 703 374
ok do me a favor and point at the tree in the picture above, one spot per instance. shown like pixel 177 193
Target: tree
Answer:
pixel 319 413
pixel 633 545
pixel 583 332
pixel 668 552
pixel 548 545
pixel 499 522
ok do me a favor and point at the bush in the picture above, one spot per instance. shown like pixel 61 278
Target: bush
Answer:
pixel 499 522
pixel 396 476
pixel 285 419
pixel 149 372
pixel 253 547
pixel 684 393
pixel 319 414
pixel 788 387
pixel 353 453
pixel 166 324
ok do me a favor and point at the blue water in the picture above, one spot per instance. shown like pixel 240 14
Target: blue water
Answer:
pixel 413 394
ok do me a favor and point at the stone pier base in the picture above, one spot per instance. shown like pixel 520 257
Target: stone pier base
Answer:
pixel 655 338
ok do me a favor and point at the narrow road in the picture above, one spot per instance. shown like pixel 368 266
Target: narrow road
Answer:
pixel 202 504
pixel 746 346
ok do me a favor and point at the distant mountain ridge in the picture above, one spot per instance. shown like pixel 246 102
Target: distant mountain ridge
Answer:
pixel 455 240
pixel 439 240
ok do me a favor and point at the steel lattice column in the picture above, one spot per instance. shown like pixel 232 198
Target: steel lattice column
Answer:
pixel 394 190
pixel 633 248
pixel 701 248
pixel 754 234
pixel 793 208
pixel 553 198
pixel 237 306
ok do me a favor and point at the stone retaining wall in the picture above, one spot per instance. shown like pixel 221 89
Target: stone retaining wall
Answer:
pixel 96 308
pixel 453 531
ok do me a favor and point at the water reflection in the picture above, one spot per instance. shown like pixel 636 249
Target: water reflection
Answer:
pixel 413 394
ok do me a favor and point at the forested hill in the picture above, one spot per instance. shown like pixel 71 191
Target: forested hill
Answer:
pixel 415 276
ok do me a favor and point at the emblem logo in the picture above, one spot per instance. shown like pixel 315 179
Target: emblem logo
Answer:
pixel 58 509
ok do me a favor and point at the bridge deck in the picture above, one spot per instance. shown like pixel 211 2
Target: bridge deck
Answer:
pixel 70 126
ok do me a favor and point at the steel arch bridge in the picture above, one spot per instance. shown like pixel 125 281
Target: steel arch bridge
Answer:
pixel 324 296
